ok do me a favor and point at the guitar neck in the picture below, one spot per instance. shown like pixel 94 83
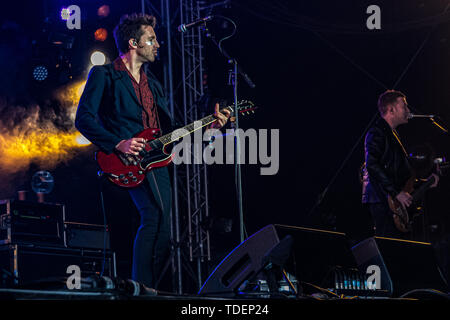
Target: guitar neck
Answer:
pixel 188 129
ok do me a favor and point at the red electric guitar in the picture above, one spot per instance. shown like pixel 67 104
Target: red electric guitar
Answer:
pixel 129 171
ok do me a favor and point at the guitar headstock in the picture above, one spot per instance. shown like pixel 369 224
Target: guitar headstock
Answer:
pixel 244 107
pixel 442 167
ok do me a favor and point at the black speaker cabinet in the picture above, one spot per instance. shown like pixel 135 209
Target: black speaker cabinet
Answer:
pixel 241 263
pixel 404 265
pixel 88 236
pixel 31 222
pixel 314 253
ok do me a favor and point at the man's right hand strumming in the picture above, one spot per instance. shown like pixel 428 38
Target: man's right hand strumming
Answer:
pixel 131 146
pixel 404 198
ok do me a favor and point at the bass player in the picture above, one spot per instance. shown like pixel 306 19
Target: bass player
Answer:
pixel 387 169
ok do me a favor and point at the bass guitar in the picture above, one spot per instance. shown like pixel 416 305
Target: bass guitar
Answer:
pixel 127 170
pixel 404 217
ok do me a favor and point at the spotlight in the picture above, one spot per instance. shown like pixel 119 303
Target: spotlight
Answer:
pixel 98 58
pixel 81 140
pixel 61 39
pixel 40 73
pixel 65 13
pixel 101 34
pixel 103 11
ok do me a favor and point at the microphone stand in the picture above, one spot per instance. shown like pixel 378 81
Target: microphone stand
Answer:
pixel 237 155
pixel 433 121
pixel 432 118
pixel 443 130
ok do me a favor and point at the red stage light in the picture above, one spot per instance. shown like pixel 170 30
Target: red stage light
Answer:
pixel 103 11
pixel 101 34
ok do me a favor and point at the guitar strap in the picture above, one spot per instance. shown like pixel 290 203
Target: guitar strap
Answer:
pixel 394 132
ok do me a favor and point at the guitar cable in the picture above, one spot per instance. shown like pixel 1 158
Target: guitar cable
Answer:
pixel 236 183
pixel 102 204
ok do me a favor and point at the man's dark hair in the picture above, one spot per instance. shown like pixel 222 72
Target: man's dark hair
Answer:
pixel 130 27
pixel 387 98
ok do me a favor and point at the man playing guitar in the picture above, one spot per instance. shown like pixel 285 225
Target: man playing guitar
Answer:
pixel 120 100
pixel 387 169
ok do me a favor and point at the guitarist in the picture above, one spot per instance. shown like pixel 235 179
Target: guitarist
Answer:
pixel 387 168
pixel 119 100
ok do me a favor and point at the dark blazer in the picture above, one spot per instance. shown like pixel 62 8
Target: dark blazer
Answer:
pixel 109 111
pixel 386 165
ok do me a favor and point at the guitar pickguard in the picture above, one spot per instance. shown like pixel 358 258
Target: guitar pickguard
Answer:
pixel 153 157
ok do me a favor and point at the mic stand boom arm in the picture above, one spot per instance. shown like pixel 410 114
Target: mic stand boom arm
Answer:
pixel 230 59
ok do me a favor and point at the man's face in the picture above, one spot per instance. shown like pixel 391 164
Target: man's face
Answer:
pixel 147 47
pixel 401 111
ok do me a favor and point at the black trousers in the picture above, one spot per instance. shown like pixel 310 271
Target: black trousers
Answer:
pixel 151 245
pixel 383 220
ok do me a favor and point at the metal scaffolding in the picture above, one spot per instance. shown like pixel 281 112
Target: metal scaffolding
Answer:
pixel 195 176
pixel 183 81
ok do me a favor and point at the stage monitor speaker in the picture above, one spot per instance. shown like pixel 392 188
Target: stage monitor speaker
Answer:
pixel 404 265
pixel 241 264
pixel 314 254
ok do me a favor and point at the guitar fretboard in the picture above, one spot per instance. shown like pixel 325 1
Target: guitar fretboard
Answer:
pixel 186 130
pixel 419 192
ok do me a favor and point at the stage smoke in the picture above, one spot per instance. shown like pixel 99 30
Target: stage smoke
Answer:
pixel 42 134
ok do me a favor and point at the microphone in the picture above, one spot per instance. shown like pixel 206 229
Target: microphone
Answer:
pixel 127 286
pixel 412 115
pixel 184 27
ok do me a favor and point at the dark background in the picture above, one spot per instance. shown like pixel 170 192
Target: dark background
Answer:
pixel 318 73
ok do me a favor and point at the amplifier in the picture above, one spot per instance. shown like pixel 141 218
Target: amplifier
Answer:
pixel 84 235
pixel 26 264
pixel 31 222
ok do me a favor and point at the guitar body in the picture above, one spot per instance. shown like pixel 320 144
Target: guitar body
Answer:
pixel 129 170
pixel 402 219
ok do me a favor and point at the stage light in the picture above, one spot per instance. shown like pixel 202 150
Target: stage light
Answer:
pixel 103 11
pixel 61 39
pixel 40 73
pixel 65 13
pixel 98 58
pixel 81 140
pixel 101 34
